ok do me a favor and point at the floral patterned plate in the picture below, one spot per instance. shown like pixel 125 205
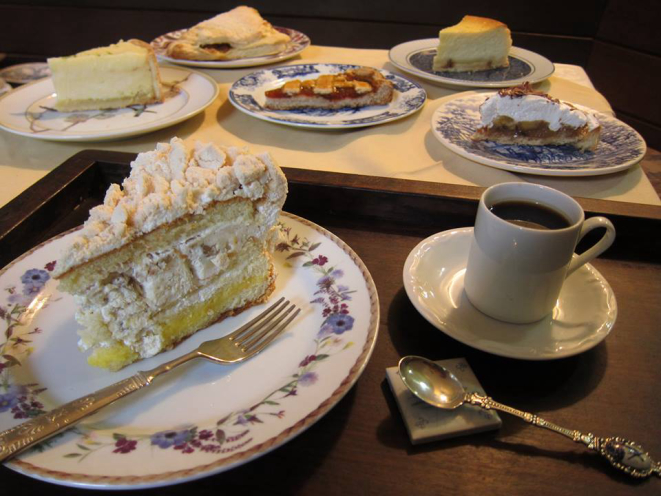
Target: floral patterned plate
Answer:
pixel 296 45
pixel 203 418
pixel 28 110
pixel 458 117
pixel 247 95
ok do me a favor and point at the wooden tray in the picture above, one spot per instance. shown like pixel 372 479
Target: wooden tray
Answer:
pixel 361 446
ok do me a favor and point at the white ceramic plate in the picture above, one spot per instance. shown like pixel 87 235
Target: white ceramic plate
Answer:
pixel 203 418
pixel 28 110
pixel 247 94
pixel 434 282
pixel 458 117
pixel 296 45
pixel 415 57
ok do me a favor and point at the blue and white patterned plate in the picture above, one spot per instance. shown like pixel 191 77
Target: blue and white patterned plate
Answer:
pixel 297 43
pixel 457 118
pixel 415 57
pixel 247 95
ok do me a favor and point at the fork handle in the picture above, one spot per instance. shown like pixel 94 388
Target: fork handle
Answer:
pixel 27 434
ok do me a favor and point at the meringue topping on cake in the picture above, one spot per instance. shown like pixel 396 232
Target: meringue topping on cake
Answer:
pixel 522 116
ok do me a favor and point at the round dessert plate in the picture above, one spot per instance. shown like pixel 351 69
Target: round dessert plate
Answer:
pixel 434 281
pixel 296 45
pixel 203 418
pixel 29 111
pixel 415 57
pixel 247 95
pixel 458 117
pixel 25 73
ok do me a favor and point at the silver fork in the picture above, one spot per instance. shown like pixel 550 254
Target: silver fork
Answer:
pixel 240 345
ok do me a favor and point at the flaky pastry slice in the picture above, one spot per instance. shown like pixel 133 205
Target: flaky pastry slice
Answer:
pixel 236 34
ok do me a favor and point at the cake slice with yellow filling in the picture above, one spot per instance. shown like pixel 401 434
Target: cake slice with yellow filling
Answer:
pixel 115 76
pixel 186 240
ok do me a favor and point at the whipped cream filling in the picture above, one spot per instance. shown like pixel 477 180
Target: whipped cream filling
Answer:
pixel 172 279
pixel 535 108
pixel 161 278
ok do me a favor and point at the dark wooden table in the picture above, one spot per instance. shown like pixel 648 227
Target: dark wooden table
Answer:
pixel 361 445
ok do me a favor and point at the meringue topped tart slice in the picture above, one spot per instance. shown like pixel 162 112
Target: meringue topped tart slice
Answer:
pixel 475 44
pixel 115 76
pixel 523 116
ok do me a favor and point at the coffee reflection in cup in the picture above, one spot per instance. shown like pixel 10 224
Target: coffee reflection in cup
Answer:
pixel 522 250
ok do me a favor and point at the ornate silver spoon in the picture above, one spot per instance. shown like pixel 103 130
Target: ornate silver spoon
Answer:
pixel 437 386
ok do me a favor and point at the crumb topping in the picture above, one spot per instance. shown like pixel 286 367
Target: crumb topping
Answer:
pixel 174 180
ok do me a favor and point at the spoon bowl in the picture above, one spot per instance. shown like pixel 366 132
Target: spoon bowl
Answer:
pixel 431 382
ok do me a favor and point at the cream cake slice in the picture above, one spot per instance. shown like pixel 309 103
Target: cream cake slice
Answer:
pixel 186 240
pixel 475 44
pixel 523 116
pixel 115 76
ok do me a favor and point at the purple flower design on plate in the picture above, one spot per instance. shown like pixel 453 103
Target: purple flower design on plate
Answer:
pixel 12 397
pixel 165 439
pixel 21 300
pixel 308 379
pixel 124 445
pixel 33 280
pixel 337 323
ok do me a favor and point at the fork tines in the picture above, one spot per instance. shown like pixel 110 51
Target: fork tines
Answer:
pixel 259 332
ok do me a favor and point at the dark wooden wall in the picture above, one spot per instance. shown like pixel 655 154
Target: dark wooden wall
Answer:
pixel 616 41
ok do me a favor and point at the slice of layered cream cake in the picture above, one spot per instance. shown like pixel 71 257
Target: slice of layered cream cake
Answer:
pixel 115 76
pixel 186 240
pixel 522 116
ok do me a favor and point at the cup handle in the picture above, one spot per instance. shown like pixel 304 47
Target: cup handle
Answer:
pixel 600 247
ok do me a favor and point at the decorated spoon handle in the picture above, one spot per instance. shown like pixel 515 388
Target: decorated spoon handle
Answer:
pixel 621 453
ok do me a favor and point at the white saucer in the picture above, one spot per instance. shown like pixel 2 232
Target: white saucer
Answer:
pixel 434 281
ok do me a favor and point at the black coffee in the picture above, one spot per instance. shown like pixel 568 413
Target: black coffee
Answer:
pixel 529 214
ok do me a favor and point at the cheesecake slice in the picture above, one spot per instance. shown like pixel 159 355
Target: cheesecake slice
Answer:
pixel 523 116
pixel 115 76
pixel 475 44
pixel 354 88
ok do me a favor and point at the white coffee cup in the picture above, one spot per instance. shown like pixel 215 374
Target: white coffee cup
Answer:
pixel 515 273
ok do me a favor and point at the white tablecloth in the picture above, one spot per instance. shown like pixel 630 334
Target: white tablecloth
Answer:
pixel 403 149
